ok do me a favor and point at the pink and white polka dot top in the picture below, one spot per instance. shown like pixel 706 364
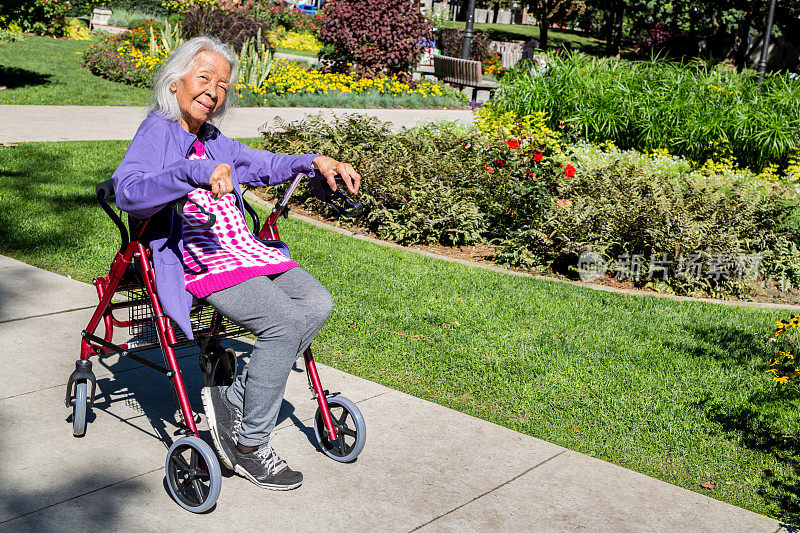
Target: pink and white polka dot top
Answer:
pixel 228 253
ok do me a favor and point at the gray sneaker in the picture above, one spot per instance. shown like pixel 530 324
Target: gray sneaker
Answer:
pixel 224 421
pixel 264 468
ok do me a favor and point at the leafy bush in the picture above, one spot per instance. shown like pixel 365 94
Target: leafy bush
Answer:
pixel 370 37
pixel 42 17
pixel 690 110
pixel 419 185
pixel 450 42
pixel 452 185
pixel 117 60
pixel 232 27
pixel 77 30
pixel 298 41
pixel 287 17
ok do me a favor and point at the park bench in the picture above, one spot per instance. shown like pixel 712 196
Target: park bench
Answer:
pixel 462 73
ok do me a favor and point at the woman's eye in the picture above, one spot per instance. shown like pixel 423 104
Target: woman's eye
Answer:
pixel 204 78
pixel 224 88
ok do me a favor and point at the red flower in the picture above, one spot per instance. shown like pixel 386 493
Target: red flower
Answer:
pixel 490 170
pixel 512 143
pixel 569 171
pixel 537 156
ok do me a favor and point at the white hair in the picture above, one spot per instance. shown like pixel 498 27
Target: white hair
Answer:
pixel 179 63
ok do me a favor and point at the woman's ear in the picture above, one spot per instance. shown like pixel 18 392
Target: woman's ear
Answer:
pixel 173 87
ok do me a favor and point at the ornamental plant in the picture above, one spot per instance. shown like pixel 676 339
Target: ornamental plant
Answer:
pixel 370 37
pixel 784 367
pixel 691 110
pixel 232 27
pixel 42 17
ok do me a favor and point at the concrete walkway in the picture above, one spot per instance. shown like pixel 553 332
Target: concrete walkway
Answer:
pixel 95 123
pixel 424 466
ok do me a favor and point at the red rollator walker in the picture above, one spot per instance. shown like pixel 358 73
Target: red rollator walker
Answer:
pixel 192 467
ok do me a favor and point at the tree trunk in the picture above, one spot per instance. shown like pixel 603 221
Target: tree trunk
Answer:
pixel 614 41
pixel 544 22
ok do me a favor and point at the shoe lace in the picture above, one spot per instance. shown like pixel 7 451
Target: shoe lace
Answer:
pixel 270 459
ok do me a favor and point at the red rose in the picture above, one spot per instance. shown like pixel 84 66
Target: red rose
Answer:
pixel 537 156
pixel 512 143
pixel 569 171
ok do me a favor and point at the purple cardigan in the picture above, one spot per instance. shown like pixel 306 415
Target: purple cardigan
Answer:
pixel 155 171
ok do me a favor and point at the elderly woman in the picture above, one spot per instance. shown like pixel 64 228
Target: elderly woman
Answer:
pixel 176 152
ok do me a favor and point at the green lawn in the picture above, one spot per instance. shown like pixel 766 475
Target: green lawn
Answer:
pixel 292 51
pixel 43 70
pixel 675 390
pixel 524 32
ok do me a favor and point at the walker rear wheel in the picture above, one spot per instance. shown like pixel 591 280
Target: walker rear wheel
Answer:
pixel 193 474
pixel 79 409
pixel 351 431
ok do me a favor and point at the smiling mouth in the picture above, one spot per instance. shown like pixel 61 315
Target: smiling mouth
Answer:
pixel 204 106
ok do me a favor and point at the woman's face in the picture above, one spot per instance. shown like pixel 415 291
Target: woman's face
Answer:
pixel 202 90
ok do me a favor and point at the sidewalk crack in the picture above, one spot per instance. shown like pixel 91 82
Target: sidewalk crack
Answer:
pixel 489 491
pixel 47 314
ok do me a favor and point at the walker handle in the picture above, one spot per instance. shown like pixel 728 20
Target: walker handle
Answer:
pixel 210 218
pixel 337 200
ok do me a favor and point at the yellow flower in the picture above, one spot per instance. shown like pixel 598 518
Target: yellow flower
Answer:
pixel 782 379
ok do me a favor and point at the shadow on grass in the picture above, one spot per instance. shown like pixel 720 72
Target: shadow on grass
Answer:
pixel 48 204
pixel 755 420
pixel 14 78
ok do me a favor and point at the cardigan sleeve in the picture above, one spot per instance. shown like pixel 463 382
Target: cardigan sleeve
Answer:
pixel 261 168
pixel 144 183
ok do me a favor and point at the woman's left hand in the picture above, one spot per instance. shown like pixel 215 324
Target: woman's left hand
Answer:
pixel 329 167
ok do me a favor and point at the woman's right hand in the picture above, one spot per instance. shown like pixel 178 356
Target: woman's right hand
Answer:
pixel 221 181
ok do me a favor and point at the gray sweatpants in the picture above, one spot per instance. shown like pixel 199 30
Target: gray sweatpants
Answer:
pixel 285 312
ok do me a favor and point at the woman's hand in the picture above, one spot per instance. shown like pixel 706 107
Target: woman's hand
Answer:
pixel 221 181
pixel 329 167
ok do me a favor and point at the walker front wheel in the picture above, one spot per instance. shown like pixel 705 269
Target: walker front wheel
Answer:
pixel 351 431
pixel 193 474
pixel 79 409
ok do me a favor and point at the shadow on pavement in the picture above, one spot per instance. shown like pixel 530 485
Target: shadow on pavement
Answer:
pixel 21 499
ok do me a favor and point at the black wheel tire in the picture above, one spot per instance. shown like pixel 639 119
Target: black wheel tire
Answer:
pixel 193 475
pixel 80 409
pixel 222 369
pixel 350 428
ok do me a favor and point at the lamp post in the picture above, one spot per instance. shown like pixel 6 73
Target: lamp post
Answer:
pixel 466 47
pixel 762 63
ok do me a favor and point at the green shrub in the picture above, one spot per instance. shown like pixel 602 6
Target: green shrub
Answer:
pixel 453 186
pixel 42 17
pixel 688 109
pixel 424 185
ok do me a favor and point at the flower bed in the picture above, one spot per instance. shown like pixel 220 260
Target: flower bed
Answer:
pixel 127 58
pixel 287 78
